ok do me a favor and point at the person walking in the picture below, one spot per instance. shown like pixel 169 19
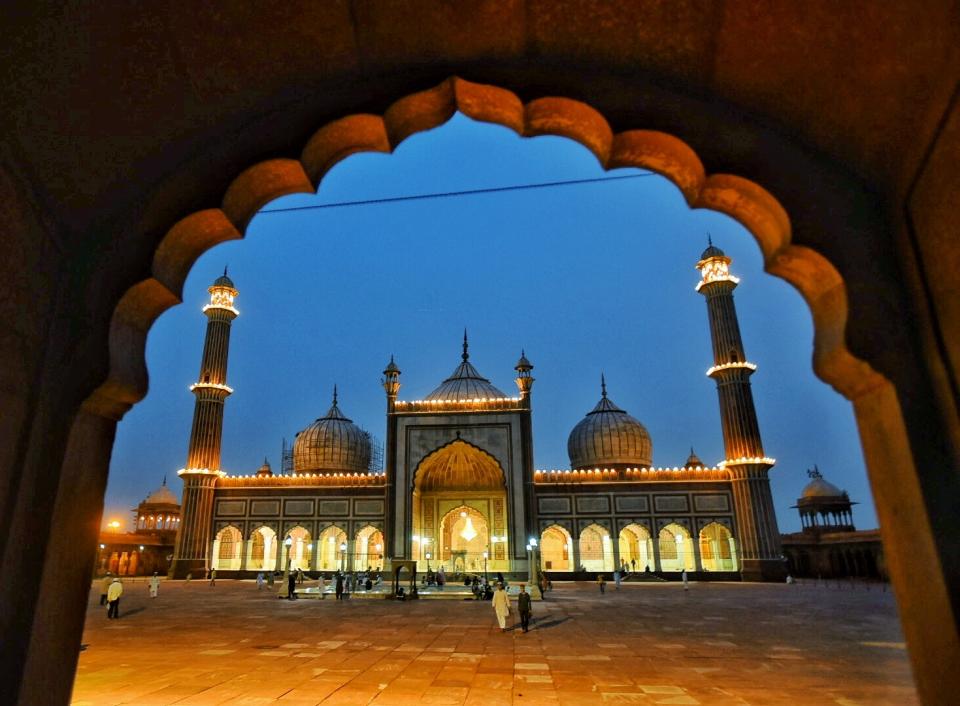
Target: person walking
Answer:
pixel 154 585
pixel 213 577
pixel 524 607
pixel 441 579
pixel 616 579
pixel 602 583
pixel 322 587
pixel 113 598
pixel 683 577
pixel 501 606
pixel 259 580
pixel 291 585
pixel 105 587
pixel 339 587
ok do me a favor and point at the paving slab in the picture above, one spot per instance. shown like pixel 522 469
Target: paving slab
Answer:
pixel 716 644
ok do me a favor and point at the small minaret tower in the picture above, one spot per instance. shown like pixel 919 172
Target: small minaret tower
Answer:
pixel 203 455
pixel 760 550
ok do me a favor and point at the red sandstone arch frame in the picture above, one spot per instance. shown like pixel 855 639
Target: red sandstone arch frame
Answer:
pixel 909 539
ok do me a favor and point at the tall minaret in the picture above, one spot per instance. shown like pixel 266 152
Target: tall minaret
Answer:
pixel 203 456
pixel 392 541
pixel 759 537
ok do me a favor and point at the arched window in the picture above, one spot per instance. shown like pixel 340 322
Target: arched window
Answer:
pixel 556 547
pixel 717 548
pixel 226 549
pixel 263 550
pixel 636 548
pixel 330 556
pixel 596 549
pixel 300 551
pixel 676 548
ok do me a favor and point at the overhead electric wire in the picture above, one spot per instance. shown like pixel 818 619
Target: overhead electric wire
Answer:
pixel 449 194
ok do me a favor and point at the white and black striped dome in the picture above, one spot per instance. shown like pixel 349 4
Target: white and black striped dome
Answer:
pixel 332 444
pixel 608 437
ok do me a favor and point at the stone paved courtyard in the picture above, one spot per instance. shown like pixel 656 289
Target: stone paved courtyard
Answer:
pixel 720 644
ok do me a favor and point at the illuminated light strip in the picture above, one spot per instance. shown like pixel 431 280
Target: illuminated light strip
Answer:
pixel 210 385
pixel 726 278
pixel 476 400
pixel 221 306
pixel 609 471
pixel 748 460
pixel 728 366
pixel 200 471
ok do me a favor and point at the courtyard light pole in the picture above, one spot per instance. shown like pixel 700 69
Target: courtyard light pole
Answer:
pixel 534 565
pixel 343 557
pixel 485 555
pixel 284 588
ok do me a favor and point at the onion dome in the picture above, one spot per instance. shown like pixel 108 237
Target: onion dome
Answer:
pixel 332 444
pixel 392 367
pixel 608 437
pixel 523 365
pixel 712 250
pixel 223 280
pixel 693 461
pixel 161 496
pixel 465 383
pixel 264 470
pixel 819 488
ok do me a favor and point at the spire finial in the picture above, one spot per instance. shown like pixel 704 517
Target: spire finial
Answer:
pixel 603 385
pixel 465 355
pixel 164 480
pixel 709 240
pixel 691 451
pixel 334 394
pixel 224 270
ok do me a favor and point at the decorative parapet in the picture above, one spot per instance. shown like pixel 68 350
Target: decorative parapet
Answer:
pixel 480 404
pixel 630 475
pixel 306 480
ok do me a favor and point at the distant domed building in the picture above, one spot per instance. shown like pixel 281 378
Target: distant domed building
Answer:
pixel 458 487
pixel 830 546
pixel 149 547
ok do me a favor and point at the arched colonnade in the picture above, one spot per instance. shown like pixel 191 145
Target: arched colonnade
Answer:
pixel 672 549
pixel 331 550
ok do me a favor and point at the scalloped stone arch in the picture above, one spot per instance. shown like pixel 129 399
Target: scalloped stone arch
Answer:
pixel 750 204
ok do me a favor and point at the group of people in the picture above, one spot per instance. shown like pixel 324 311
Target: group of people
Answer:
pixel 344 583
pixel 501 606
pixel 111 588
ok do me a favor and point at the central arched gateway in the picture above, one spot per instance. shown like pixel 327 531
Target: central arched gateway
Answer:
pixel 459 511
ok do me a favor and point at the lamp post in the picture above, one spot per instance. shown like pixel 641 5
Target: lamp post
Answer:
pixel 343 557
pixel 284 588
pixel 534 566
pixel 485 555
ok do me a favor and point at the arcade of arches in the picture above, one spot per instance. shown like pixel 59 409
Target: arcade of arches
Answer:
pixel 673 551
pixel 870 183
pixel 262 552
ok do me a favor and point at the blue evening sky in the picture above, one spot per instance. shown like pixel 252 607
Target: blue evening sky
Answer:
pixel 585 278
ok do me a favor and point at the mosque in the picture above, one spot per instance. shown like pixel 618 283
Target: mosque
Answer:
pixel 459 487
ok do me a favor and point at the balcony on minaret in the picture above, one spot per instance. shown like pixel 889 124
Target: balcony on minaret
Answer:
pixel 222 295
pixel 714 266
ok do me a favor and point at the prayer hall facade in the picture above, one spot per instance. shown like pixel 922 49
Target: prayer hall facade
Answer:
pixel 459 487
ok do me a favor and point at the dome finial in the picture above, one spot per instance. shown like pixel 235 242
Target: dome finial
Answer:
pixel 465 355
pixel 603 386
pixel 164 484
pixel 224 270
pixel 334 394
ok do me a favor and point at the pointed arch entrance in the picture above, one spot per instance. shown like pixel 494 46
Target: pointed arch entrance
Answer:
pixel 459 510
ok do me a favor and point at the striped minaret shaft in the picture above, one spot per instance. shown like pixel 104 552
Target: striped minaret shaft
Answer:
pixel 203 454
pixel 760 550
